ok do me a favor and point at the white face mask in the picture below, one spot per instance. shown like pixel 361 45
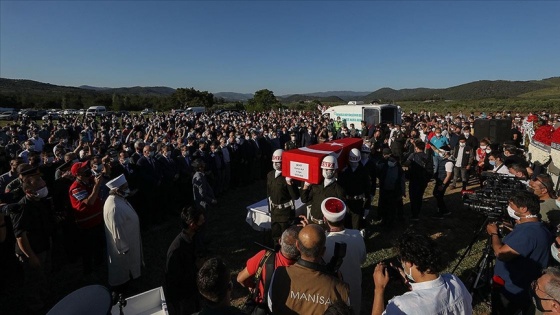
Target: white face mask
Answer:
pixel 293 138
pixel 328 174
pixel 438 135
pixel 462 144
pixel 42 193
pixel 467 134
pixel 512 214
pixel 409 274
pixel 488 150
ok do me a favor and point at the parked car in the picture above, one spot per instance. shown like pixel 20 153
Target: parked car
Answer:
pixel 96 111
pixel 53 116
pixel 147 111
pixel 70 111
pixel 8 115
pixel 31 114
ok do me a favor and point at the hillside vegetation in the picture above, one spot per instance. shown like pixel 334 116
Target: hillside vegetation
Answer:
pixel 479 95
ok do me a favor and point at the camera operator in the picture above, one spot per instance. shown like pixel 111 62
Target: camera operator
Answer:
pixel 432 292
pixel 520 256
pixel 519 171
pixel 496 160
pixel 542 186
pixel 306 287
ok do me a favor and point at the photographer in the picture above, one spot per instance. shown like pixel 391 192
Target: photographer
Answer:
pixel 520 256
pixel 543 187
pixel 306 287
pixel 431 292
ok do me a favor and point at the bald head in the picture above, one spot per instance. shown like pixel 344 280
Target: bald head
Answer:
pixel 311 242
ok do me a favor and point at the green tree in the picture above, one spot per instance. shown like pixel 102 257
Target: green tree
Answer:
pixel 64 103
pixel 117 102
pixel 190 98
pixel 262 100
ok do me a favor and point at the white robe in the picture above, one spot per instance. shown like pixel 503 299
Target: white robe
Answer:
pixel 122 231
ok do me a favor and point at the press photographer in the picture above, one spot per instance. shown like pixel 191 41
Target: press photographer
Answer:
pixel 520 256
pixel 431 292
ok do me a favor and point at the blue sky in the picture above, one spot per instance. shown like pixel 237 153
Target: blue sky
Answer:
pixel 286 46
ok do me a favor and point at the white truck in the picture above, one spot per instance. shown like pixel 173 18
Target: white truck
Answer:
pixel 373 114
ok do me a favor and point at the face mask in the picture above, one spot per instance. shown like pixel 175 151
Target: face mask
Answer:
pixel 293 138
pixel 467 134
pixel 493 163
pixel 512 214
pixel 353 164
pixel 42 193
pixel 488 151
pixel 462 145
pixel 438 135
pixel 403 130
pixel 537 301
pixel 277 166
pixel 328 174
pixel 409 274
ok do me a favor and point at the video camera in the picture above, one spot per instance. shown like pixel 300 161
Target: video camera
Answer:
pixel 493 199
pixel 338 257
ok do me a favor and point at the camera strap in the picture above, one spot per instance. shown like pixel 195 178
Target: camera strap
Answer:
pixel 268 264
pixel 312 265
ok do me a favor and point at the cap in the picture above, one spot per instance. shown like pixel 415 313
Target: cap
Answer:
pixel 333 209
pixel 78 167
pixel 387 151
pixel 116 182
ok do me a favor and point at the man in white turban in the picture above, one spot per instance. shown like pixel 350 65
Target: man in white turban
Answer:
pixel 122 231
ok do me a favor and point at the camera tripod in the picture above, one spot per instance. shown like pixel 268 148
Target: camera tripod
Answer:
pixel 479 281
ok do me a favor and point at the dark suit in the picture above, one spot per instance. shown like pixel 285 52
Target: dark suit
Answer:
pixel 149 179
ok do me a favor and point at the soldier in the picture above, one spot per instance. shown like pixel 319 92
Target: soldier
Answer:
pixel 292 144
pixel 357 184
pixel 315 194
pixel 281 195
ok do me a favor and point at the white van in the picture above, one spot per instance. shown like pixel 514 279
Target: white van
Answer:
pixel 372 114
pixel 96 111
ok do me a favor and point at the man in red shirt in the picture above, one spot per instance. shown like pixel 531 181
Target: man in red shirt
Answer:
pixel 288 255
pixel 88 212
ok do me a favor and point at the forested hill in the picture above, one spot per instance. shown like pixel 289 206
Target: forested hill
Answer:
pixel 469 91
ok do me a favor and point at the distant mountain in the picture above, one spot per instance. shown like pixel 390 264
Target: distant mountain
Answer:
pixel 345 95
pixel 469 91
pixel 304 97
pixel 232 96
pixel 141 90
pixel 95 88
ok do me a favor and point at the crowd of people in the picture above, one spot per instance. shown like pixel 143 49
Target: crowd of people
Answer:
pixel 90 186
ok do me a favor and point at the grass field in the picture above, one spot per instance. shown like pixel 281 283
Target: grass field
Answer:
pixel 233 239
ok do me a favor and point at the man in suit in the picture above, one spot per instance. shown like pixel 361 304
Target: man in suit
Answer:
pixel 149 179
pixel 464 157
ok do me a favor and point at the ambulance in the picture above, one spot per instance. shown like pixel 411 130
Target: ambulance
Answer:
pixel 373 114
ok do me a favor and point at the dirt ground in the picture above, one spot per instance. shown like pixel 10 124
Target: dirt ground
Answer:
pixel 234 240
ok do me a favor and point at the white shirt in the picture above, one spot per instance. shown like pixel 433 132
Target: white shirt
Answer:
pixel 459 156
pixel 501 170
pixel 444 295
pixel 351 265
